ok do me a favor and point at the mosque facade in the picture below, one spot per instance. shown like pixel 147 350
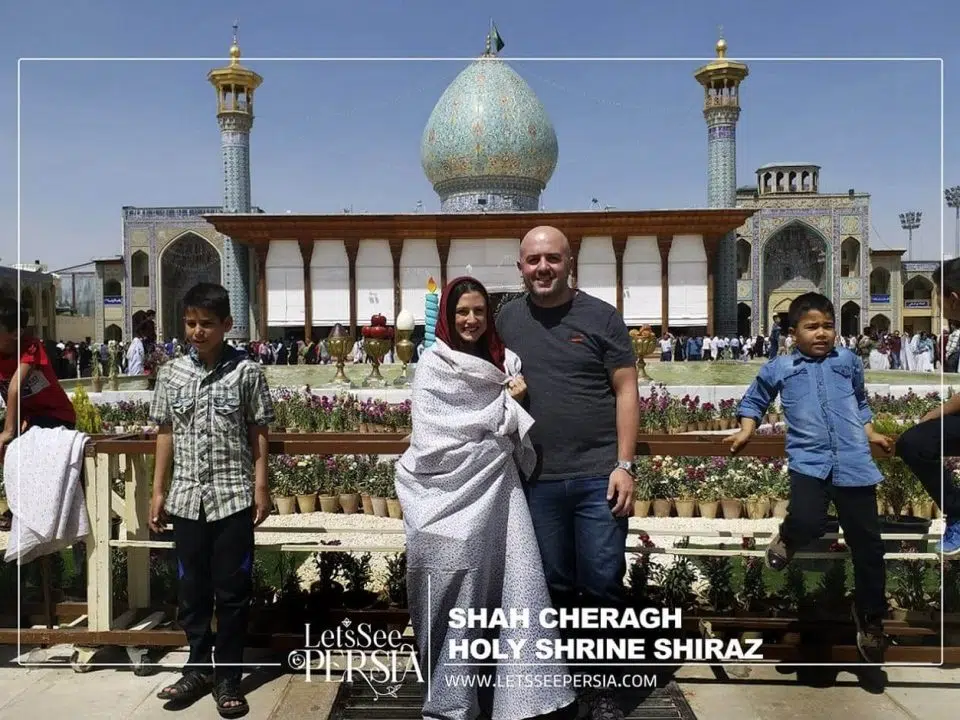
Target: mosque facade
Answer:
pixel 489 149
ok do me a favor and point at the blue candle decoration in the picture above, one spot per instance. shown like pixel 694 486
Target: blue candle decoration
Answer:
pixel 431 313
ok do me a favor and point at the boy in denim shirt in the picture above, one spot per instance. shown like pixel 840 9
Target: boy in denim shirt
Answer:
pixel 213 408
pixel 829 432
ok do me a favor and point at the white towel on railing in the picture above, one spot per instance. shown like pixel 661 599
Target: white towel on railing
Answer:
pixel 41 476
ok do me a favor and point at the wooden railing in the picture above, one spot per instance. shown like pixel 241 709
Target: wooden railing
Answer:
pixel 110 458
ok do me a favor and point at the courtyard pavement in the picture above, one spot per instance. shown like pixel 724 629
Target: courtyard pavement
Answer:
pixel 766 692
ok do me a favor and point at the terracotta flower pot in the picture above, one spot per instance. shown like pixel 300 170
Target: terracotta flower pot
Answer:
pixel 367 502
pixel 758 509
pixel 307 503
pixel 732 508
pixel 708 509
pixel 350 502
pixel 393 509
pixel 286 505
pixel 661 508
pixel 685 507
pixel 329 504
pixel 97 384
pixel 379 506
pixel 641 508
pixel 780 508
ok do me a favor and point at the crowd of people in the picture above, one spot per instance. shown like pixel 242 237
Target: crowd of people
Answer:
pixel 879 350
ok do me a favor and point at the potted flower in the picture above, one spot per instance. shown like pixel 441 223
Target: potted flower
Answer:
pixel 708 492
pixel 281 483
pixel 327 472
pixel 305 484
pixel 685 496
pixel 364 485
pixel 642 486
pixel 780 488
pixel 730 491
pixel 663 489
pixel 757 500
pixel 393 504
pixel 348 470
pixel 381 485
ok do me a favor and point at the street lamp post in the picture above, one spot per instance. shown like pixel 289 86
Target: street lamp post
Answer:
pixel 910 221
pixel 952 196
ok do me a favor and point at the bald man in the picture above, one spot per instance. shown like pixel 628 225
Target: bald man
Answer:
pixel 581 379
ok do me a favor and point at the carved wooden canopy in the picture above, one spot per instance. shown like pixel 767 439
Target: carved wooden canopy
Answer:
pixel 260 229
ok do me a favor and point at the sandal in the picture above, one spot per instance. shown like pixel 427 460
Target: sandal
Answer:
pixel 192 686
pixel 230 700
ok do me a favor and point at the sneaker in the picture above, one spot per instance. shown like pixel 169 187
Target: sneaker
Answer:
pixel 872 641
pixel 950 545
pixel 778 554
pixel 604 708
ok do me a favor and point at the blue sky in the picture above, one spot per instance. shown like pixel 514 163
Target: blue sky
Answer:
pixel 98 136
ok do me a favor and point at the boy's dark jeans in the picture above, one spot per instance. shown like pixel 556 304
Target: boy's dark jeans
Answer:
pixel 215 561
pixel 920 449
pixel 857 511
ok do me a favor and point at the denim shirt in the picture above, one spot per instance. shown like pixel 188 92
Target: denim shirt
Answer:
pixel 825 405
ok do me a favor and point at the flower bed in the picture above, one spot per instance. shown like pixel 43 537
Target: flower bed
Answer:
pixel 347 483
pixel 708 487
pixel 661 412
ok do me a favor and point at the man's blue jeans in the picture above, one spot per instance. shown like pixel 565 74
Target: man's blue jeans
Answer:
pixel 582 544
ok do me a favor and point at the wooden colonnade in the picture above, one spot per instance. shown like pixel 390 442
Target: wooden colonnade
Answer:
pixel 257 231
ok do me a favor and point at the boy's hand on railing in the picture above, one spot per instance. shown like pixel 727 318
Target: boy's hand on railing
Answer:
pixel 738 440
pixel 158 516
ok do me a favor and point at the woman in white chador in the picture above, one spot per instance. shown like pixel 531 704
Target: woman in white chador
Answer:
pixel 879 359
pixel 470 539
pixel 906 357
pixel 924 353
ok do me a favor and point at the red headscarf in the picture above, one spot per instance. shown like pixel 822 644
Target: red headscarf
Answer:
pixel 496 352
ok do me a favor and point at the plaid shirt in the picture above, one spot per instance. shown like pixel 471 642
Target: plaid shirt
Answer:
pixel 210 411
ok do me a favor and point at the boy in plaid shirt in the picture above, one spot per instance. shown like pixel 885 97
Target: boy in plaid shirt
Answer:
pixel 213 408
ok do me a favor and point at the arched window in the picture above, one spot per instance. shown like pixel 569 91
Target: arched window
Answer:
pixel 140 269
pixel 850 258
pixel 112 289
pixel 743 259
pixel 880 285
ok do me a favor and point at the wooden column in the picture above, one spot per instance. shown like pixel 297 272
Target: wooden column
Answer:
pixel 619 246
pixel 396 252
pixel 443 247
pixel 710 247
pixel 352 246
pixel 663 243
pixel 575 242
pixel 306 254
pixel 261 251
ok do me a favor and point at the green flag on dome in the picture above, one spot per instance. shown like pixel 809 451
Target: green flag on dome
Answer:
pixel 496 42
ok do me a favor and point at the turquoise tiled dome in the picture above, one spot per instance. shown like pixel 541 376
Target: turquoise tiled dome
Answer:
pixel 489 123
